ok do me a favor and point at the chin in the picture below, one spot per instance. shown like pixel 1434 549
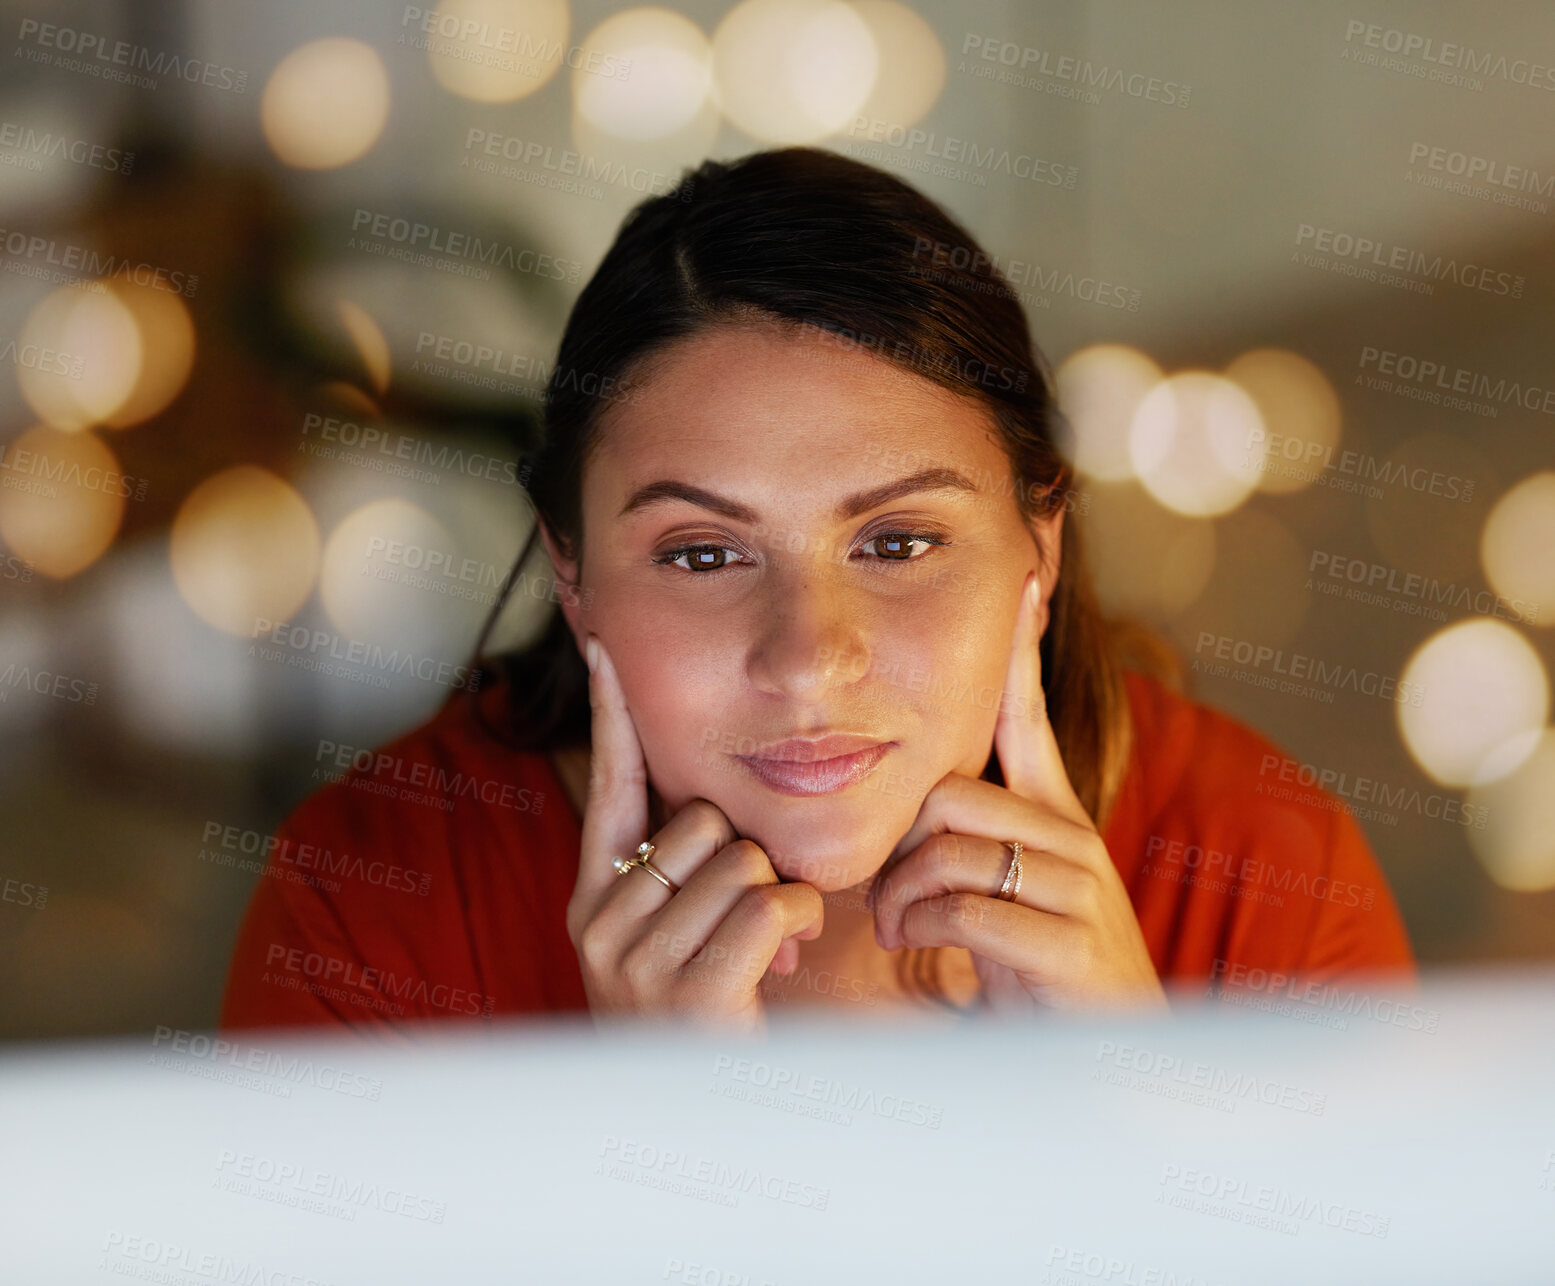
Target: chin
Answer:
pixel 830 849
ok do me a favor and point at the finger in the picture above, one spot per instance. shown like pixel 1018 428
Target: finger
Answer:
pixel 1047 947
pixel 1023 737
pixel 743 946
pixel 615 814
pixel 688 921
pixel 953 863
pixel 970 806
pixel 683 847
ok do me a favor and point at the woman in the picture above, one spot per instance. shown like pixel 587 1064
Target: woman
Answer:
pixel 829 647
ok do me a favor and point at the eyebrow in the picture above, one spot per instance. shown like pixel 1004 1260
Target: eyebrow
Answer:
pixel 667 490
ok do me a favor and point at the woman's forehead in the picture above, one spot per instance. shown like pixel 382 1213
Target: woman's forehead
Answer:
pixel 793 401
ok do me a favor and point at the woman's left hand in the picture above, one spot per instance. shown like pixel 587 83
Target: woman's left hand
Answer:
pixel 1070 938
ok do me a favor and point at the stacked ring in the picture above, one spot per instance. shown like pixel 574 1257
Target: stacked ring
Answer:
pixel 1011 886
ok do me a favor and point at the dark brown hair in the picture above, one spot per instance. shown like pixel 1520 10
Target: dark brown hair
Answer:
pixel 803 237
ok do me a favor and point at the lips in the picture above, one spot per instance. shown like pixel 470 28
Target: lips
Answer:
pixel 823 771
pixel 800 751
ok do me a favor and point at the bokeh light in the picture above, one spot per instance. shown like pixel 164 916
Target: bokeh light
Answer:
pixel 496 51
pixel 87 354
pixel 167 345
pixel 1484 699
pixel 911 64
pixel 1100 389
pixel 1195 443
pixel 1517 842
pixel 244 549
pixel 382 570
pixel 325 104
pixel 1517 547
pixel 1300 413
pixel 368 338
pixel 63 501
pixel 793 71
pixel 670 76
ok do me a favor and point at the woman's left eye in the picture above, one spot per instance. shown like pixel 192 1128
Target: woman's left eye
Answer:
pixel 894 543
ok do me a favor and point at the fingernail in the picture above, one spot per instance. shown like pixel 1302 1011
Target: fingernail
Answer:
pixel 1034 591
pixel 591 652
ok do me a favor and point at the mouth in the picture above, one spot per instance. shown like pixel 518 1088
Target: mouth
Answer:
pixel 816 776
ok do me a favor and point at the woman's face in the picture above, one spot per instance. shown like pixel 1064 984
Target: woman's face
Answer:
pixel 821 607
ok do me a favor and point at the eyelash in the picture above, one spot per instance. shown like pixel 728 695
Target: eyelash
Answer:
pixel 673 555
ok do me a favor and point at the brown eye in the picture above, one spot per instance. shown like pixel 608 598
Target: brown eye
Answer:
pixel 699 558
pixel 896 546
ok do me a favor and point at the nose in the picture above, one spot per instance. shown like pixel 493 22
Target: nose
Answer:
pixel 811 637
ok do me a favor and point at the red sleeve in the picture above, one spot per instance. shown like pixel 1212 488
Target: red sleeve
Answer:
pixel 1237 874
pixel 1358 929
pixel 429 883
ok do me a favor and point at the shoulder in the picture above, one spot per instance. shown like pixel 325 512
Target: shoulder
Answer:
pixel 1227 861
pixel 427 877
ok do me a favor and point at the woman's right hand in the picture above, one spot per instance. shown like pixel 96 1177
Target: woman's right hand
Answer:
pixel 698 953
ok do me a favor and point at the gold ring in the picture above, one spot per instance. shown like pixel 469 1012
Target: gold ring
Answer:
pixel 641 859
pixel 1011 886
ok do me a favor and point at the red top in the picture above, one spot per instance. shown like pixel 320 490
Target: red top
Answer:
pixel 433 881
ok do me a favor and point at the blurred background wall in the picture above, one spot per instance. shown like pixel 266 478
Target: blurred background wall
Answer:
pixel 281 284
